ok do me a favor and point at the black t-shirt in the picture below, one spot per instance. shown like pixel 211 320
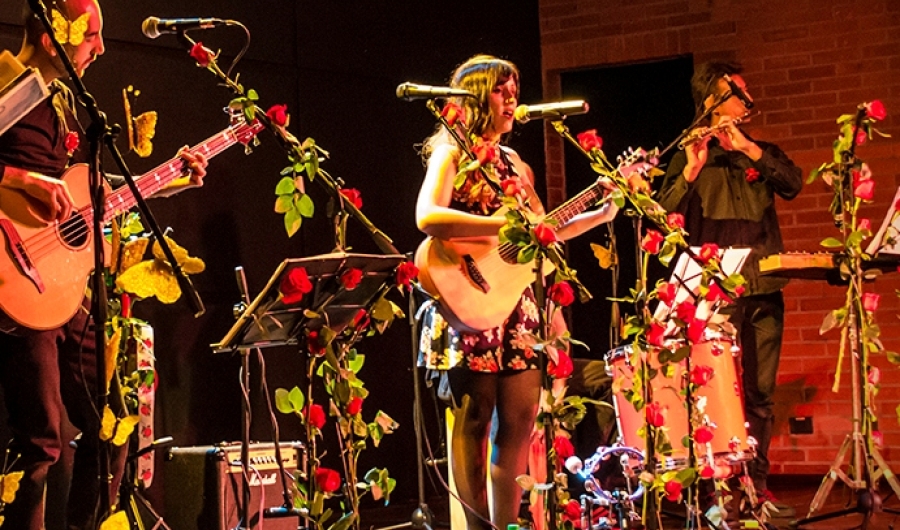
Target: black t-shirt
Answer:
pixel 37 141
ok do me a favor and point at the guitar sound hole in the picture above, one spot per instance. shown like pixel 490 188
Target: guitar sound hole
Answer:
pixel 74 231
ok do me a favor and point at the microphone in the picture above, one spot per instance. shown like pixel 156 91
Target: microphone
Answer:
pixel 153 27
pixel 545 111
pixel 411 91
pixel 737 92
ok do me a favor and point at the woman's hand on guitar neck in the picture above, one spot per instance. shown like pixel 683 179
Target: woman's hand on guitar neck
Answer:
pixel 53 194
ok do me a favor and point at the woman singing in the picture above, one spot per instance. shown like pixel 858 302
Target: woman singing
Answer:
pixel 491 373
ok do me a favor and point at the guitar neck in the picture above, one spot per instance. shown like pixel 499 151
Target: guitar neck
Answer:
pixel 562 214
pixel 122 199
pixel 577 204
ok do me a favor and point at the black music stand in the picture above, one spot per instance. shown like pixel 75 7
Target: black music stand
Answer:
pixel 268 321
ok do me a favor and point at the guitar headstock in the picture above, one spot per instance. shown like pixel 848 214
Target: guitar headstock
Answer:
pixel 638 161
pixel 245 132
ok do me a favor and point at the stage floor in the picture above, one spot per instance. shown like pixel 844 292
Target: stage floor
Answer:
pixel 796 491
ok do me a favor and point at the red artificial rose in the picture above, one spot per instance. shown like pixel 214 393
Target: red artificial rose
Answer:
pixel 314 345
pixel 354 406
pixel 146 432
pixel 350 278
pixel 202 55
pixel 353 196
pixel 716 293
pixel 588 140
pixel 328 480
pixel 652 241
pixel 572 511
pixel 453 113
pixel 685 311
pixel 656 335
pixel 484 152
pixel 360 319
pixel 655 415
pixel 561 293
pixel 874 375
pixel 703 435
pixel 708 252
pixel 294 285
pixel 878 439
pixel 865 190
pixel 701 374
pixel 751 174
pixel 315 415
pixel 545 234
pixel 875 110
pixel 406 272
pixel 861 137
pixel 707 472
pixel 278 115
pixel 511 186
pixel 870 301
pixel 695 330
pixel 675 220
pixel 739 290
pixel 72 140
pixel 673 490
pixel 563 447
pixel 666 292
pixel 864 224
pixel 563 368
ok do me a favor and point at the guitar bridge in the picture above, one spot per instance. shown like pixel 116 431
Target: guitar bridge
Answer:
pixel 471 271
pixel 20 255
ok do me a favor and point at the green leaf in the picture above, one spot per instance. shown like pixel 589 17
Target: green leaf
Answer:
pixel 252 95
pixel 292 221
pixel 296 399
pixel 250 112
pixel 285 186
pixel 283 401
pixel 832 242
pixel 344 522
pixel 305 205
pixel 893 357
pixel 356 363
pixel 526 254
pixel 382 310
pixel 283 203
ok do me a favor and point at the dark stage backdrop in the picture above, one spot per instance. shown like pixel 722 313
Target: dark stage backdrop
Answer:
pixel 336 65
pixel 636 105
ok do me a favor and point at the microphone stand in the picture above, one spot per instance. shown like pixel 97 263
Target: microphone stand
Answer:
pixel 291 145
pixel 98 133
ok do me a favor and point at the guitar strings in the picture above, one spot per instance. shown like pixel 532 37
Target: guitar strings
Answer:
pixel 508 251
pixel 77 225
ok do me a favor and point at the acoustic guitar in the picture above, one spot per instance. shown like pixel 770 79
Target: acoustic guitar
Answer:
pixel 44 266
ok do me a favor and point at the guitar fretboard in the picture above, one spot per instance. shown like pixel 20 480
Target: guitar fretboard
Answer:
pixel 156 179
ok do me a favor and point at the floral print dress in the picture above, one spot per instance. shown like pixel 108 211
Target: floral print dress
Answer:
pixel 442 347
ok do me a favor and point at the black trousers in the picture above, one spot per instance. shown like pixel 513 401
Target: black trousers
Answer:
pixel 44 375
pixel 759 320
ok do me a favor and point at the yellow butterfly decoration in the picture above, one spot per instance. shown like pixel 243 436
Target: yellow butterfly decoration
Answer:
pixel 604 256
pixel 116 521
pixel 69 32
pixel 9 485
pixel 115 429
pixel 154 277
pixel 141 128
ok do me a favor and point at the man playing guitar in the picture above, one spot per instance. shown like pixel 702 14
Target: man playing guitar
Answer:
pixel 44 373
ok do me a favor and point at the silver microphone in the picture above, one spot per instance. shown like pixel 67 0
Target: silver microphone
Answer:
pixel 153 27
pixel 551 111
pixel 411 91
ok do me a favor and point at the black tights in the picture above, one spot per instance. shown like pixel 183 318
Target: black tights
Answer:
pixel 513 395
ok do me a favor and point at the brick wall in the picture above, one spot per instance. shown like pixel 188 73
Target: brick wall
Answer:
pixel 807 62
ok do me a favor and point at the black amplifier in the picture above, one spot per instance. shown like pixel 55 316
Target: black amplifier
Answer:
pixel 203 484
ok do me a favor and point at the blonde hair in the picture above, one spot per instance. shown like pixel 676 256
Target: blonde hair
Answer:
pixel 478 75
